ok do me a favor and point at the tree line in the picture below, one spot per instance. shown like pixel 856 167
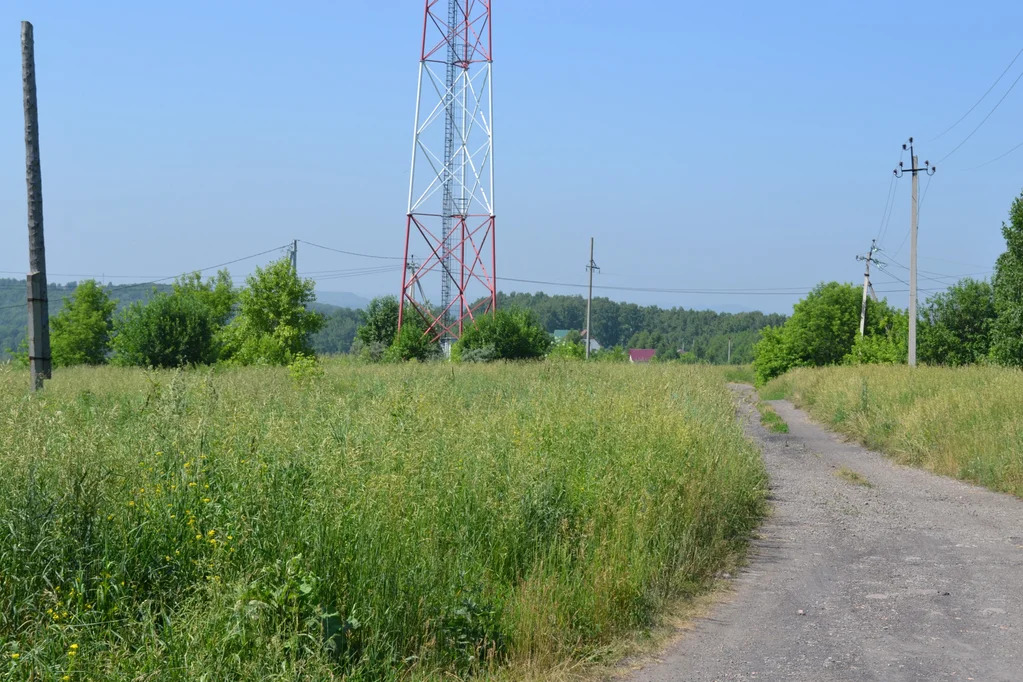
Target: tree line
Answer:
pixel 972 322
pixel 193 322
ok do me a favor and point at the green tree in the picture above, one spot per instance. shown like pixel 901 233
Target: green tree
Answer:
pixel 171 330
pixel 821 331
pixel 274 324
pixel 504 335
pixel 888 344
pixel 379 327
pixel 216 293
pixel 412 342
pixel 956 324
pixel 1007 282
pixel 774 354
pixel 80 332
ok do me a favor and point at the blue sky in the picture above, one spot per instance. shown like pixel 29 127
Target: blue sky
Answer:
pixel 704 145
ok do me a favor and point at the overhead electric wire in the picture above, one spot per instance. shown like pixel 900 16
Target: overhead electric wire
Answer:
pixel 997 158
pixel 886 217
pixel 977 103
pixel 984 120
pixel 350 253
pixel 164 279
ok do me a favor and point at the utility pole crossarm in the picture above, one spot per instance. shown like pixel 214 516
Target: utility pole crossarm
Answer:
pixel 869 258
pixel 915 169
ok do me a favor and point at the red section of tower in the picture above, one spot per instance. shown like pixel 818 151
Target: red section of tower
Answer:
pixel 450 224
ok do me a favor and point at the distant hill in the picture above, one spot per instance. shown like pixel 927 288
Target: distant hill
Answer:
pixel 703 334
pixel 342 299
pixel 335 337
pixel 14 308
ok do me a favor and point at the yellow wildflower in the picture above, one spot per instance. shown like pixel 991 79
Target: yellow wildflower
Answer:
pixel 131 503
pixel 199 536
pixel 74 646
pixel 15 656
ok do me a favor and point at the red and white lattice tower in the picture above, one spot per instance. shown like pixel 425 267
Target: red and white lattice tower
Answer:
pixel 451 182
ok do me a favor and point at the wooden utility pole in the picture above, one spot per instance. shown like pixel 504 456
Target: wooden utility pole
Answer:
pixel 869 258
pixel 38 310
pixel 591 266
pixel 914 223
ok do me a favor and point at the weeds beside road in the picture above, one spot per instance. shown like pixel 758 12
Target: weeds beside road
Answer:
pixel 966 422
pixel 389 522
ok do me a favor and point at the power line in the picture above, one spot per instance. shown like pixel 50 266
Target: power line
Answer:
pixel 984 120
pixel 986 93
pixel 997 158
pixel 164 279
pixel 350 253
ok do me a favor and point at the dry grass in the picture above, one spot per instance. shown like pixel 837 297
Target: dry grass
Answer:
pixel 966 423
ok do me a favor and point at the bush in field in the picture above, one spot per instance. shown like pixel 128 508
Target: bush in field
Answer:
pixel 273 324
pixel 1007 281
pixel 379 323
pixel 216 293
pixel 412 342
pixel 822 331
pixel 171 330
pixel 567 350
pixel 612 354
pixel 80 332
pixel 503 335
pixel 887 345
pixel 956 324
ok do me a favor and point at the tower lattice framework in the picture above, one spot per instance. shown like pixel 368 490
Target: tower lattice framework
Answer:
pixel 450 226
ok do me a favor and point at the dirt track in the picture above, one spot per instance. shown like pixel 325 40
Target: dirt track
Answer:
pixel 918 577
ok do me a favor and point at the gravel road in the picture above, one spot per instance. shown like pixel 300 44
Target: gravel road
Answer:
pixel 914 577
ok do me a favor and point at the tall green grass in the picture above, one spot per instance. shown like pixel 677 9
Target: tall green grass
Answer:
pixel 364 523
pixel 965 422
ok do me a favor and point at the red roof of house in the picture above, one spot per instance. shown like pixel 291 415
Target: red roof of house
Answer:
pixel 641 354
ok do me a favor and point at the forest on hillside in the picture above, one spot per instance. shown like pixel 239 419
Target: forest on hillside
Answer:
pixel 702 334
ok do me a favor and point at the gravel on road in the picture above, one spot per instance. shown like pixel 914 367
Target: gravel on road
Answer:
pixel 865 570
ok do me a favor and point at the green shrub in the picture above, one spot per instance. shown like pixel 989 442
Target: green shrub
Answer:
pixel 171 330
pixel 274 324
pixel 80 332
pixel 504 335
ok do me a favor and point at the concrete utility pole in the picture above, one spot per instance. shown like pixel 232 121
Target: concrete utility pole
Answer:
pixel 914 223
pixel 869 258
pixel 294 257
pixel 38 310
pixel 591 266
pixel 729 350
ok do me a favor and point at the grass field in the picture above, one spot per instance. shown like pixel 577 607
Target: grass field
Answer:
pixel 966 423
pixel 398 522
